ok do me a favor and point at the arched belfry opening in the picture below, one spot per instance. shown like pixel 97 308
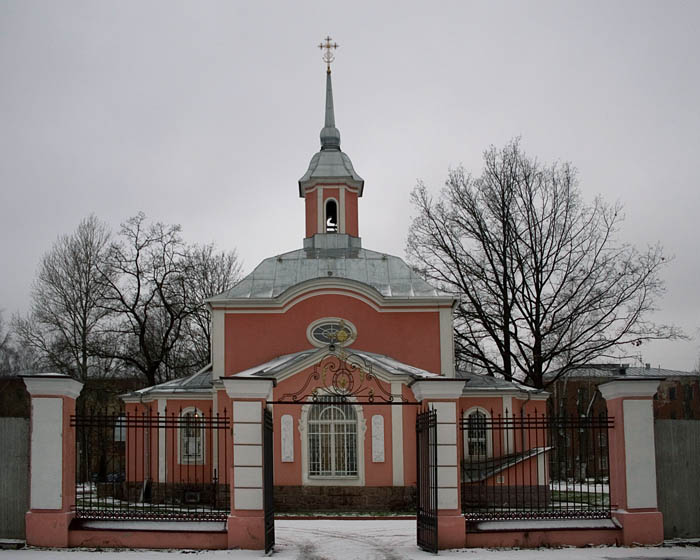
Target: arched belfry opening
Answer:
pixel 331 216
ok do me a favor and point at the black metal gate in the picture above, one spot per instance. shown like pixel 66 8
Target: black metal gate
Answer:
pixel 268 483
pixel 426 453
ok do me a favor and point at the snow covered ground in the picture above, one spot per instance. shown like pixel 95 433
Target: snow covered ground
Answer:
pixel 361 540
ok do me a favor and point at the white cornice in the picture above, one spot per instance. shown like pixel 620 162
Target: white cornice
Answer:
pixel 168 396
pixel 319 354
pixel 317 184
pixel 438 389
pixel 247 388
pixel 642 387
pixel 334 286
pixel 522 395
pixel 53 384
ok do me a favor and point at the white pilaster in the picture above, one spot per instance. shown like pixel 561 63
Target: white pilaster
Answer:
pixel 508 433
pixel 397 437
pixel 215 439
pixel 320 211
pixel 162 473
pixel 447 350
pixel 218 343
pixel 341 210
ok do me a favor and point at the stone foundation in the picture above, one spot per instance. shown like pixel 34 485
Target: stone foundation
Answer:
pixel 313 499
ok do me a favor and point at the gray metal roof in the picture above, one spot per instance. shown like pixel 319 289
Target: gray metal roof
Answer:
pixel 620 371
pixel 476 382
pixel 331 165
pixel 200 382
pixel 288 361
pixel 389 275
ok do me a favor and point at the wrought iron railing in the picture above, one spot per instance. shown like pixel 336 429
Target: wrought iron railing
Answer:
pixel 150 466
pixel 534 466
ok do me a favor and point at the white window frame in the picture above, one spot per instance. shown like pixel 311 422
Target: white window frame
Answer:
pixel 487 434
pixel 200 458
pixel 315 480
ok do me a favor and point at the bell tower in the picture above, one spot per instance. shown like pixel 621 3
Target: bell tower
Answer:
pixel 331 187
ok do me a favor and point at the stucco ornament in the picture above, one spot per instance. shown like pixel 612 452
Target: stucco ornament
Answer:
pixel 287 439
pixel 377 438
pixel 343 376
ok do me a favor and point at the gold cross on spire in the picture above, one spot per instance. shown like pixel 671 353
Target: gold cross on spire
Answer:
pixel 328 56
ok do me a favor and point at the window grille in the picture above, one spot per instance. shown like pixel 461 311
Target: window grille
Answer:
pixel 332 428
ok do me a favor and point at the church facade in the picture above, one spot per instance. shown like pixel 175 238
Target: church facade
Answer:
pixel 351 338
pixel 333 388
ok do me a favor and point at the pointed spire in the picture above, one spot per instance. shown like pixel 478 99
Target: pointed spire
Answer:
pixel 330 114
pixel 330 135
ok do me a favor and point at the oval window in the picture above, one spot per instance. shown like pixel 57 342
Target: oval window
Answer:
pixel 331 331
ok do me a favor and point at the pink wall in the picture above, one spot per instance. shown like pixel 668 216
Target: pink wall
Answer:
pixel 376 474
pixel 352 226
pixel 254 338
pixel 331 191
pixel 138 465
pixel 311 215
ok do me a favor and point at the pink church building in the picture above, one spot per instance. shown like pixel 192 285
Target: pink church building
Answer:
pixel 332 387
pixel 331 322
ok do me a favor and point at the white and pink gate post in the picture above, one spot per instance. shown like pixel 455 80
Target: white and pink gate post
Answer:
pixel 52 459
pixel 633 459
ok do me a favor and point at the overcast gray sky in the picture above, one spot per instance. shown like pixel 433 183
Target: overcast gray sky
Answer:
pixel 206 114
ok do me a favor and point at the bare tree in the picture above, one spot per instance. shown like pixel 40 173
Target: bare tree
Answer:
pixel 14 358
pixel 62 326
pixel 544 282
pixel 209 273
pixel 146 297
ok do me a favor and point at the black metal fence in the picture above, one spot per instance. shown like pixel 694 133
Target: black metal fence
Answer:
pixel 532 466
pixel 426 469
pixel 150 466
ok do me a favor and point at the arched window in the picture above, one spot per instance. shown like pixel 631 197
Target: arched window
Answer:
pixel 332 433
pixel 191 437
pixel 331 216
pixel 477 440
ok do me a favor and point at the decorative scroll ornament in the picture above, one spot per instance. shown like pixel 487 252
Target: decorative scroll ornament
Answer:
pixel 342 377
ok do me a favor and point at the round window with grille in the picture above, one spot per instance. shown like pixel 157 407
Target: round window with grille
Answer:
pixel 331 330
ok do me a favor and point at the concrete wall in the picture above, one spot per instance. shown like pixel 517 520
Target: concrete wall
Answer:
pixel 14 482
pixel 678 484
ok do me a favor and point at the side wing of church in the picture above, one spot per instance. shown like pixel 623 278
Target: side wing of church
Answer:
pixel 351 338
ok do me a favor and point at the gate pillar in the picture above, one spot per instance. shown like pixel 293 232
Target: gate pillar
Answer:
pixel 633 459
pixel 52 458
pixel 442 395
pixel 246 523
